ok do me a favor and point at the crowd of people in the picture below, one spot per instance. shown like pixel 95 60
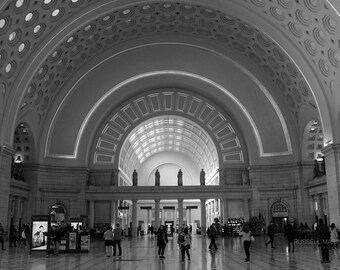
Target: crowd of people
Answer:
pixel 326 237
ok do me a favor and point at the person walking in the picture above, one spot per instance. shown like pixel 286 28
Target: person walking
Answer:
pixel 108 238
pixel 117 239
pixel 2 235
pixel 13 236
pixel 185 243
pixel 323 235
pixel 162 240
pixel 22 236
pixel 56 237
pixel 290 234
pixel 246 235
pixel 271 234
pixel 334 236
pixel 213 234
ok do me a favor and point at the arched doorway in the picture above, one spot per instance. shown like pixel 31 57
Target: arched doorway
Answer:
pixel 58 213
pixel 279 211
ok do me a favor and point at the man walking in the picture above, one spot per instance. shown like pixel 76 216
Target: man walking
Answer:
pixel 271 233
pixel 117 238
pixel 323 235
pixel 2 234
pixel 213 233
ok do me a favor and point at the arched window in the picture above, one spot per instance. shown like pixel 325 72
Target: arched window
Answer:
pixel 58 213
pixel 279 209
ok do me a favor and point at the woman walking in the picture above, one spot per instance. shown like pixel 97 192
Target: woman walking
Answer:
pixel 184 240
pixel 247 235
pixel 334 236
pixel 162 240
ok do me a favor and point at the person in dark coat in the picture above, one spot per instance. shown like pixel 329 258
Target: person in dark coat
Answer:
pixel 56 234
pixel 323 235
pixel 162 240
pixel 290 234
pixel 271 233
pixel 213 231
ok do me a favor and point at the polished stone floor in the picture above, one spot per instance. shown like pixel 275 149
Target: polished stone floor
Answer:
pixel 141 254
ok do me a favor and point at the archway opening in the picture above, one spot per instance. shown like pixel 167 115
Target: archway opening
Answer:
pixel 168 144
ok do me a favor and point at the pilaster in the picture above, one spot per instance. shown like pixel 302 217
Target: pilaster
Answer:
pixel 6 155
pixel 332 161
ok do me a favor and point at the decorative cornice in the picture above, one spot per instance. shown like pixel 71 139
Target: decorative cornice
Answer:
pixel 331 148
pixel 277 188
pixel 56 190
pixel 320 181
pixel 20 185
pixel 168 192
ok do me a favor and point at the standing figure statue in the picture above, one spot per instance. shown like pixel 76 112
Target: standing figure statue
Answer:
pixel 113 178
pixel 134 178
pixel 317 172
pixel 323 166
pixel 223 176
pixel 202 177
pixel 91 180
pixel 180 178
pixel 157 178
pixel 245 177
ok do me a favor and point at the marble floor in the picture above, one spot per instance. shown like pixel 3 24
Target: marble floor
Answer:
pixel 141 254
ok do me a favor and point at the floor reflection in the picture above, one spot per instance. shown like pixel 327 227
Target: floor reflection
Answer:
pixel 141 253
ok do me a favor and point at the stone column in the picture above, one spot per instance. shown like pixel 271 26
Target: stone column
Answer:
pixel 319 210
pixel 322 214
pixel 162 216
pixel 134 219
pixel 175 217
pixel 180 215
pixel 127 216
pixel 187 216
pixel 246 209
pixel 312 209
pixel 6 155
pixel 225 211
pixel 91 214
pixel 332 161
pixel 114 213
pixel 148 217
pixel 16 214
pixel 157 208
pixel 203 218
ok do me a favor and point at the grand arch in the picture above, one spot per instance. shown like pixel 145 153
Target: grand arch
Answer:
pixel 287 47
pixel 208 126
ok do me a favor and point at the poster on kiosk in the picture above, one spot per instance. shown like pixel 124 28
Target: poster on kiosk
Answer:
pixel 39 233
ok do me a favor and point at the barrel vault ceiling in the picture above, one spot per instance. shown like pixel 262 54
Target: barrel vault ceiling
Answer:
pixel 44 44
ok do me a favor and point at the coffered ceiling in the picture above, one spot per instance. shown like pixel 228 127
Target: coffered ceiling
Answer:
pixel 292 45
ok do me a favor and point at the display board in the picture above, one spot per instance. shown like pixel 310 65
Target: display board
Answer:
pixel 39 233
